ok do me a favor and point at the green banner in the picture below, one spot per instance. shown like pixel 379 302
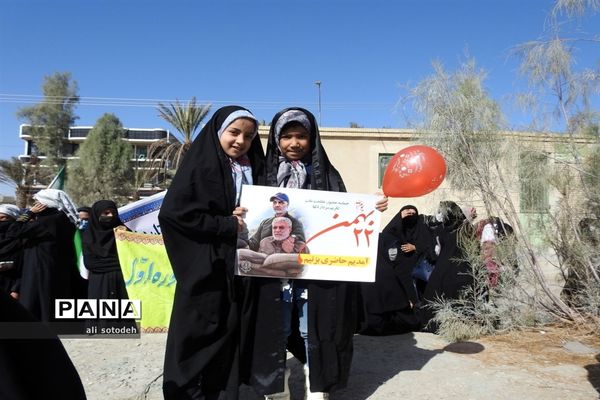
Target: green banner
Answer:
pixel 148 276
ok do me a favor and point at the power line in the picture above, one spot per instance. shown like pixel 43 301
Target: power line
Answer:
pixel 150 102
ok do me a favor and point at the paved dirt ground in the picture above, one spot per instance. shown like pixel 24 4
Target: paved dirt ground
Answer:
pixel 524 365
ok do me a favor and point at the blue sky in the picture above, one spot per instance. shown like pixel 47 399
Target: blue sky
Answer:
pixel 265 55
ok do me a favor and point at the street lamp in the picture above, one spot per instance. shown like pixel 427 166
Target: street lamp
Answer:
pixel 318 83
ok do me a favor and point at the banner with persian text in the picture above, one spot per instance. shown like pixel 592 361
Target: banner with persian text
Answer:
pixel 148 276
pixel 142 215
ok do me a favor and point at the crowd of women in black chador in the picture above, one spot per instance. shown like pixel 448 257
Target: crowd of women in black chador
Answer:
pixel 44 235
pixel 38 264
pixel 32 368
pixel 227 330
pixel 420 260
pixel 38 260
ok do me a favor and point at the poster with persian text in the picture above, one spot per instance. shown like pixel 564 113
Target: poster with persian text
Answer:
pixel 308 234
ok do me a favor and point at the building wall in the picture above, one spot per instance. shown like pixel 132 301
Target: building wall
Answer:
pixel 355 154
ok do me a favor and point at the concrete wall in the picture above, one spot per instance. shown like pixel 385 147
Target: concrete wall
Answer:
pixel 355 153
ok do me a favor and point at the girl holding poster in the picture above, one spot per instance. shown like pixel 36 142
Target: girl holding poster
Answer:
pixel 200 221
pixel 315 319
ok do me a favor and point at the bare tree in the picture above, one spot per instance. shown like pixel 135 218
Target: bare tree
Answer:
pixel 465 124
pixel 551 66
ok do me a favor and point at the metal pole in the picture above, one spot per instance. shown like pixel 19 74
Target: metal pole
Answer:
pixel 318 83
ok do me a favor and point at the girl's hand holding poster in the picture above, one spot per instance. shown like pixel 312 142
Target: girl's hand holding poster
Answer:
pixel 308 234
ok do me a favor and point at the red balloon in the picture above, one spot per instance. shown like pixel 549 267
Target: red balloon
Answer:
pixel 414 171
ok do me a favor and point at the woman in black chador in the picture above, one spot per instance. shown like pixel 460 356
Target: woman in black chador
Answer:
pixel 37 366
pixel 200 220
pixel 390 302
pixel 49 258
pixel 452 273
pixel 100 252
pixel 11 253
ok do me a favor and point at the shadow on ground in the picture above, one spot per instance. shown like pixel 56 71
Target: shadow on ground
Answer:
pixel 594 374
pixel 464 348
pixel 376 360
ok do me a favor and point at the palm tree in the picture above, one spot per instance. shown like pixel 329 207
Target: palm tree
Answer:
pixel 23 175
pixel 186 119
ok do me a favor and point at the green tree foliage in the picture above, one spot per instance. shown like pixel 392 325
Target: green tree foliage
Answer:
pixel 186 119
pixel 51 119
pixel 103 169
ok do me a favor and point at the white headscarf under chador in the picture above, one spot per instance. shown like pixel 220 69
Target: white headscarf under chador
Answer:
pixel 10 210
pixel 54 198
pixel 241 170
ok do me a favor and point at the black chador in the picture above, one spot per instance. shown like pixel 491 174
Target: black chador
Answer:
pixel 100 254
pixel 11 256
pixel 100 257
pixel 34 368
pixel 389 303
pixel 49 261
pixel 200 234
pixel 452 273
pixel 332 305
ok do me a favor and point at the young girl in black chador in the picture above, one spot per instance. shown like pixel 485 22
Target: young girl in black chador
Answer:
pixel 200 220
pixel 318 316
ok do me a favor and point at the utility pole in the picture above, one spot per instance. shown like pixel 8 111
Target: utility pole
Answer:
pixel 318 83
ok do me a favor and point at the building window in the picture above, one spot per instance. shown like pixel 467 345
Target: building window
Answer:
pixel 32 149
pixel 533 181
pixel 141 152
pixel 384 160
pixel 79 132
pixel 70 149
pixel 156 134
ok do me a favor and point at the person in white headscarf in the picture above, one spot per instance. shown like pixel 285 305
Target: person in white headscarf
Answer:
pixel 9 211
pixel 49 259
pixel 54 198
pixel 10 252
